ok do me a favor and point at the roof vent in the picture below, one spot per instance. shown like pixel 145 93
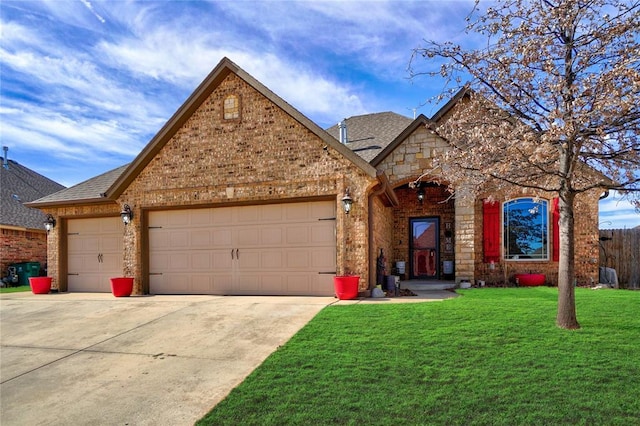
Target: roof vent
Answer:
pixel 343 131
pixel 5 161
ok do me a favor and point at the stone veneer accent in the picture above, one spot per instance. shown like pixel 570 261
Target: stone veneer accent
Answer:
pixel 414 156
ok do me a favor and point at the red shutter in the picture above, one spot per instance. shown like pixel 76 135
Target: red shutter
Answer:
pixel 491 231
pixel 555 221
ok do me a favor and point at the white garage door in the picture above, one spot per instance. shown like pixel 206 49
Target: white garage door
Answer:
pixel 94 253
pixel 275 249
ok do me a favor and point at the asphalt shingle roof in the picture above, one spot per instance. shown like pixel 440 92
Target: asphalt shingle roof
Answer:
pixel 369 134
pixel 19 185
pixel 91 189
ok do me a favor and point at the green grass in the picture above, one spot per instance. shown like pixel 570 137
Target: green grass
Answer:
pixel 15 289
pixel 490 357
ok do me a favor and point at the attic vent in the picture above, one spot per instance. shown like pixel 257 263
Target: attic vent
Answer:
pixel 231 107
pixel 343 131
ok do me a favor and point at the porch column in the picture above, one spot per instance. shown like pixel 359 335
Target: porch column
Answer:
pixel 464 238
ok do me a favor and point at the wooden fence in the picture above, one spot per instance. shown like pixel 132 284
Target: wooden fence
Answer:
pixel 620 250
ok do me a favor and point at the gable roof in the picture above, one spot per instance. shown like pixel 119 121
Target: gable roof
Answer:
pixel 369 134
pixel 18 186
pixel 123 178
pixel 420 120
pixel 204 90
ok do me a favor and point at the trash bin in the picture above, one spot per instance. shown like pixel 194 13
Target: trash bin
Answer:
pixel 447 269
pixel 26 270
pixel 391 284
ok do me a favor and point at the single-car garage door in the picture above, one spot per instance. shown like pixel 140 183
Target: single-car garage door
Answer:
pixel 274 249
pixel 94 253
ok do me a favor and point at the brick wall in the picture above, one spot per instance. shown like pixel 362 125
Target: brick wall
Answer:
pixel 18 246
pixel 586 246
pixel 264 156
pixel 414 157
pixel 383 237
pixel 436 204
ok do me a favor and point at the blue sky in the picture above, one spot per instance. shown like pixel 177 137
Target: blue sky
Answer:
pixel 86 84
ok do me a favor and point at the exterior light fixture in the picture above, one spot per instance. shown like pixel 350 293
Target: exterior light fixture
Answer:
pixel 347 201
pixel 49 223
pixel 420 195
pixel 126 214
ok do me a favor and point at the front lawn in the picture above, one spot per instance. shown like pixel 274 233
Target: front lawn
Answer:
pixel 489 357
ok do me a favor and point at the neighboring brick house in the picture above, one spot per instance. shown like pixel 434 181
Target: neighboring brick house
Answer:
pixel 22 234
pixel 239 193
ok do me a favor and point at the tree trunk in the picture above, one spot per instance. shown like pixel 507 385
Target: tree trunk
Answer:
pixel 566 267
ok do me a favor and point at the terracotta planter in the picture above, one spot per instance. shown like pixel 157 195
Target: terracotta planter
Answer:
pixel 346 286
pixel 530 280
pixel 40 285
pixel 121 286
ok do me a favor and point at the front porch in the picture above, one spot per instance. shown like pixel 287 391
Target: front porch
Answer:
pixel 427 285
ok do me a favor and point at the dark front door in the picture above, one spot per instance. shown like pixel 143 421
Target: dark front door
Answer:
pixel 423 249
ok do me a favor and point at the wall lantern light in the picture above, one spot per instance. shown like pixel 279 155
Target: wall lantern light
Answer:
pixel 49 223
pixel 347 201
pixel 126 214
pixel 420 195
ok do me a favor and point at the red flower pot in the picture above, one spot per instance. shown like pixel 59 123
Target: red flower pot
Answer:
pixel 530 280
pixel 40 285
pixel 121 286
pixel 346 287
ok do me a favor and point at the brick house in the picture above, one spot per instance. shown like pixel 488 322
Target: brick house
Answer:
pixel 22 234
pixel 239 193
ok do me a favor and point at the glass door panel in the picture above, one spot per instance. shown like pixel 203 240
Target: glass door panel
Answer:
pixel 423 251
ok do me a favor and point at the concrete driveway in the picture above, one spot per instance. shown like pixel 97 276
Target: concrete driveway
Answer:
pixel 152 360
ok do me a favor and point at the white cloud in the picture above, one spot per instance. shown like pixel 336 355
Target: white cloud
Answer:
pixel 89 6
pixel 186 64
pixel 617 212
pixel 309 92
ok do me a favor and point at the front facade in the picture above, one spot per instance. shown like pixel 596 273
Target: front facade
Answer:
pixel 239 193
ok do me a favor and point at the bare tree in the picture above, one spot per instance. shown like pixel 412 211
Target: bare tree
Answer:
pixel 552 104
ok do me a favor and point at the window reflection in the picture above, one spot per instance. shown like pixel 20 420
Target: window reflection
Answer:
pixel 525 232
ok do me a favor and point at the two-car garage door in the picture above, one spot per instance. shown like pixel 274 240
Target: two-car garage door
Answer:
pixel 277 249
